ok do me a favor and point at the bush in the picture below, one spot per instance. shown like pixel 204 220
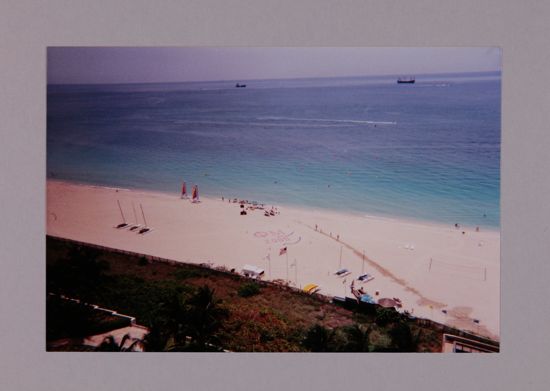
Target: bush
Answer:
pixel 67 319
pixel 385 316
pixel 184 274
pixel 318 339
pixel 358 338
pixel 402 338
pixel 142 261
pixel 249 289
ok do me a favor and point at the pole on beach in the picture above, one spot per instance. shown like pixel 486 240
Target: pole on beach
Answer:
pixel 296 272
pixel 340 263
pixel 345 286
pixel 269 261
pixel 287 267
pixel 363 265
pixel 143 214
pixel 135 214
pixel 430 267
pixel 122 214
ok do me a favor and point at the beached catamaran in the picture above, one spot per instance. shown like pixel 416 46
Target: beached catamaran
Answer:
pixel 183 191
pixel 195 194
pixel 145 228
pixel 124 224
pixel 136 225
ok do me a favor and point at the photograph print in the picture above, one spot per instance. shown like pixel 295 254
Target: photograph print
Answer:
pixel 270 199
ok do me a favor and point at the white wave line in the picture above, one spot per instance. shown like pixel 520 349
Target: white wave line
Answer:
pixel 331 120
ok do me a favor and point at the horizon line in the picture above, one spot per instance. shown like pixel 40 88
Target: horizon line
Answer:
pixel 276 78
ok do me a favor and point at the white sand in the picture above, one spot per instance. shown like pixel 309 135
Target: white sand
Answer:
pixel 463 279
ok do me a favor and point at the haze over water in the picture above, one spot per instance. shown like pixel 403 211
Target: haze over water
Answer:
pixel 428 151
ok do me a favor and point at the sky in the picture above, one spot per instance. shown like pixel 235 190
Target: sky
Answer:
pixel 106 65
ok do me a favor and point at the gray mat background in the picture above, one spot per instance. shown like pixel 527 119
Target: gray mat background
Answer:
pixel 519 27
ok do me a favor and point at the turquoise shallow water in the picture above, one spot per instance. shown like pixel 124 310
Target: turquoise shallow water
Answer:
pixel 428 151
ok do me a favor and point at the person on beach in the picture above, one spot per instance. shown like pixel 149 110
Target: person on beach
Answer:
pixel 338 237
pixel 315 227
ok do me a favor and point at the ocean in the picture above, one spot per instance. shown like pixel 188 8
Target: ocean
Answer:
pixel 427 151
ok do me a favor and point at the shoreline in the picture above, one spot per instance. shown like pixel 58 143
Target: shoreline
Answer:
pixel 432 268
pixel 344 213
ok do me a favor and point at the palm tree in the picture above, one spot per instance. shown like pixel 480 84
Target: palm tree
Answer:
pixel 174 316
pixel 204 317
pixel 156 340
pixel 402 337
pixel 358 339
pixel 186 324
pixel 109 344
pixel 318 339
pixel 80 272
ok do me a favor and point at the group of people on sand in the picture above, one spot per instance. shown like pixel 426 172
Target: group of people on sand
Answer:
pixel 317 229
pixel 253 205
pixel 358 293
pixel 272 212
pixel 457 226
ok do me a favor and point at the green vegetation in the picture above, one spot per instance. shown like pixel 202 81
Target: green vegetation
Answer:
pixel 184 274
pixel 353 338
pixel 66 319
pixel 249 289
pixel 318 339
pixel 385 316
pixel 80 271
pixel 190 308
pixel 109 344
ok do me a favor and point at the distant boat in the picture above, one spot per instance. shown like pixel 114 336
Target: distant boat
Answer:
pixel 405 80
pixel 240 85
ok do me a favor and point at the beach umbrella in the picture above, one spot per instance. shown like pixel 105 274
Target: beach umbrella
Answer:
pixel 387 302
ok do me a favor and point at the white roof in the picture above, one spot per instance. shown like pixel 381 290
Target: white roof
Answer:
pixel 253 269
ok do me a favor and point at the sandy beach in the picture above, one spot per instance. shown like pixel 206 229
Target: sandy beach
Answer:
pixel 437 271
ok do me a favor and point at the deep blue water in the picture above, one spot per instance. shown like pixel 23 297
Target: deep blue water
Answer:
pixel 428 151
